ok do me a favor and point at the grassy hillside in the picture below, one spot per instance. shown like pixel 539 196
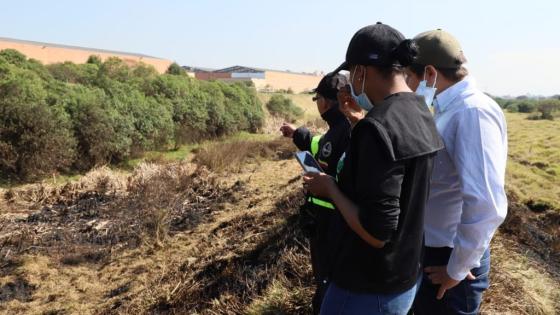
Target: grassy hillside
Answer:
pixel 533 173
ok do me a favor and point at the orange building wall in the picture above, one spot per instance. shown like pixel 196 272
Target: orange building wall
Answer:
pixel 295 81
pixel 212 75
pixel 52 54
pixel 273 80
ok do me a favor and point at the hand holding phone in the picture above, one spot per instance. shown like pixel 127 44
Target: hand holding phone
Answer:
pixel 308 162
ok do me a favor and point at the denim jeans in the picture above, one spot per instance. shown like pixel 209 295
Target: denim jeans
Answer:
pixel 465 298
pixel 339 301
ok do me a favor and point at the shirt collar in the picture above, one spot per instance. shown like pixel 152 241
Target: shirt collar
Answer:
pixel 444 99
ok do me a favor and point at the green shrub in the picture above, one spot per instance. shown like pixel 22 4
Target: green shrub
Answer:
pixel 81 115
pixel 115 69
pixel 281 106
pixel 103 135
pixel 548 107
pixel 175 69
pixel 94 59
pixel 512 108
pixel 72 73
pixel 35 138
pixel 187 102
pixel 526 106
pixel 152 126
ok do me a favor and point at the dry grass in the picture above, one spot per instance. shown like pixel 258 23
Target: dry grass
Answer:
pixel 53 254
pixel 262 250
pixel 521 282
pixel 304 101
pixel 311 117
pixel 111 238
pixel 234 156
pixel 534 160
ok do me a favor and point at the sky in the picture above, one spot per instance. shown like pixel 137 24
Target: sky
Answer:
pixel 512 47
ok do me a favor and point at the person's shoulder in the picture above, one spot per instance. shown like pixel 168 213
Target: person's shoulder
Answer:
pixel 479 102
pixel 370 129
pixel 366 125
pixel 399 106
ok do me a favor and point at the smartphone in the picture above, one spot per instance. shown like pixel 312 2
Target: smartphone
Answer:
pixel 308 162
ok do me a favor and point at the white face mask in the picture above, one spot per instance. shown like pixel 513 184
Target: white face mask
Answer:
pixel 362 99
pixel 427 92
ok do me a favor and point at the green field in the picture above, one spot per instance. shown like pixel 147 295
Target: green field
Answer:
pixel 533 172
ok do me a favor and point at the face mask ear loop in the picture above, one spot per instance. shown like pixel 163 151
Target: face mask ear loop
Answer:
pixel 435 80
pixel 353 75
pixel 352 82
pixel 364 83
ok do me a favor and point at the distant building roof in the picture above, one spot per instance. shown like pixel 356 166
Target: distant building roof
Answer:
pixel 197 69
pixel 74 47
pixel 243 69
pixel 240 69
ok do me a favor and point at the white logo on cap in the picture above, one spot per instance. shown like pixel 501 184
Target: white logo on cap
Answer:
pixel 373 56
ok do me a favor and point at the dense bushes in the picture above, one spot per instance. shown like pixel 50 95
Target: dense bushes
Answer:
pixel 281 106
pixel 541 108
pixel 74 116
pixel 34 137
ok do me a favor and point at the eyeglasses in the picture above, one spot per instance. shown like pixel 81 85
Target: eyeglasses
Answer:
pixel 315 98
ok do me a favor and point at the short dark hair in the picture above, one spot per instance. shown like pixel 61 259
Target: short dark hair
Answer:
pixel 391 70
pixel 452 74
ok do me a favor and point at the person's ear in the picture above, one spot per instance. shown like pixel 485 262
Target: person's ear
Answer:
pixel 430 74
pixel 359 76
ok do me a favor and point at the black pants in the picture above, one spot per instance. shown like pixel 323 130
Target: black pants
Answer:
pixel 314 222
pixel 319 273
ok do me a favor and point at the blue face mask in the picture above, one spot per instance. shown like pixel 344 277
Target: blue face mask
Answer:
pixel 362 100
pixel 427 92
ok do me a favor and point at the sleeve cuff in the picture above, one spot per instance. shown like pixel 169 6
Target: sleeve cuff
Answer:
pixel 462 261
pixel 457 273
pixel 299 138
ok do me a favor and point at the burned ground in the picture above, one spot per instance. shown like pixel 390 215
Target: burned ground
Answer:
pixel 209 237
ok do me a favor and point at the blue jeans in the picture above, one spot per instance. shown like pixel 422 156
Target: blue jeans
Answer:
pixel 464 299
pixel 339 301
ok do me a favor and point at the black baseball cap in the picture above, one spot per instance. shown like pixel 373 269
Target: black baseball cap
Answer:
pixel 329 85
pixel 373 45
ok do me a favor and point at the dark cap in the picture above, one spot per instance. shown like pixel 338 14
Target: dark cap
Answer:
pixel 439 49
pixel 374 45
pixel 329 85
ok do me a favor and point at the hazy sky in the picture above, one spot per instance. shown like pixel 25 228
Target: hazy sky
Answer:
pixel 513 47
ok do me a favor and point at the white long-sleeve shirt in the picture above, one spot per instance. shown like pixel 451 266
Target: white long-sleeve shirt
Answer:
pixel 467 199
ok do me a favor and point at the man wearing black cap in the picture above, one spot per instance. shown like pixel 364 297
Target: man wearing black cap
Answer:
pixel 382 187
pixel 467 197
pixel 326 149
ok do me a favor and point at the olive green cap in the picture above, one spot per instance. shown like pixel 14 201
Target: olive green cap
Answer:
pixel 439 49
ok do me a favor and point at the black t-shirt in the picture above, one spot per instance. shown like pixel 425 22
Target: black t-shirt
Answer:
pixel 386 173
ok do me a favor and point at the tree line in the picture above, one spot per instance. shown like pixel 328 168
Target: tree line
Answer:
pixel 70 117
pixel 542 108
